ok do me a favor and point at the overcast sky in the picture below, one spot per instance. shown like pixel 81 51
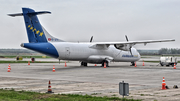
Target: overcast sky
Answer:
pixel 106 20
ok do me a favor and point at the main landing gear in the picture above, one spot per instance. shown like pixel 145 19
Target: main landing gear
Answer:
pixel 107 63
pixel 84 64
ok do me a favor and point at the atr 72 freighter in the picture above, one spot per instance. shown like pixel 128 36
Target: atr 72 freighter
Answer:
pixel 91 52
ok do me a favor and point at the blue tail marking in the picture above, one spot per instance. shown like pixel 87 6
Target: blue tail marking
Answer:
pixel 33 26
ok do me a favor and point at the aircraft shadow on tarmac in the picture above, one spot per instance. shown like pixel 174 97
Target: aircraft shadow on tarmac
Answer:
pixel 60 68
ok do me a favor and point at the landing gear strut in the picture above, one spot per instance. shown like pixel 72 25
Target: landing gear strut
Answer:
pixel 84 64
pixel 132 63
pixel 107 63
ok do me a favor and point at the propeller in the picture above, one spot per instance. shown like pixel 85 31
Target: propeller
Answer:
pixel 91 39
pixel 130 46
pixel 126 38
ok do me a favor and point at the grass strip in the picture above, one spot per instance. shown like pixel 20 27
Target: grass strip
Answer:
pixel 26 56
pixel 27 62
pixel 12 95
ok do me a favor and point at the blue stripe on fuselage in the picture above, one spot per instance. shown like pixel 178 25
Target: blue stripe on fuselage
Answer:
pixel 45 48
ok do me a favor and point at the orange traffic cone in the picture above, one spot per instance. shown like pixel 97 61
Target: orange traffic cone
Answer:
pixel 9 70
pixel 143 63
pixel 49 88
pixel 174 66
pixel 65 64
pixel 53 68
pixel 95 65
pixel 104 64
pixel 163 84
pixel 28 63
pixel 135 65
pixel 9 66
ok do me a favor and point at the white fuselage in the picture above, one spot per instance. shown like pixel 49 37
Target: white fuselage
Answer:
pixel 84 52
pixel 96 52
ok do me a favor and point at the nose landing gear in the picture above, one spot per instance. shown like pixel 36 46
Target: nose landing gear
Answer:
pixel 107 63
pixel 132 63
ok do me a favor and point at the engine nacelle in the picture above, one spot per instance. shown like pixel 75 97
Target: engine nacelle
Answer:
pixel 124 47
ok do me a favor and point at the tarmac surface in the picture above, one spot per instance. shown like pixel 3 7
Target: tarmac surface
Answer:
pixel 145 82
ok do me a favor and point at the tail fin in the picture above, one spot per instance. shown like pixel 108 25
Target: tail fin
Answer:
pixel 50 38
pixel 36 33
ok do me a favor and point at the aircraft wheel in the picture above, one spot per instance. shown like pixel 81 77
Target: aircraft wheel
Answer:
pixel 83 63
pixel 102 65
pixel 161 63
pixel 132 64
pixel 107 63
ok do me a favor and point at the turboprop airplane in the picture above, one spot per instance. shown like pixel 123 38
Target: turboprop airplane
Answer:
pixel 91 52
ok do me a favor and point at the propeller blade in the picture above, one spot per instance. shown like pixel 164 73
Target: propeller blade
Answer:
pixel 126 38
pixel 129 47
pixel 130 51
pixel 91 39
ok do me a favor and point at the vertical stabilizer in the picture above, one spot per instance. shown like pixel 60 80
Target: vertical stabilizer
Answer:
pixel 35 32
pixel 33 26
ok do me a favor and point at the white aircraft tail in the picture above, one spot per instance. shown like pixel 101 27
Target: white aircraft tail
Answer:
pixel 49 37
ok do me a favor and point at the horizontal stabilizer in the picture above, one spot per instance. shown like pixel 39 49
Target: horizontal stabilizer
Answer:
pixel 18 14
pixel 32 13
pixel 38 13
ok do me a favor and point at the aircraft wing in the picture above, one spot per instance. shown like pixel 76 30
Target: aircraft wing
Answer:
pixel 133 42
pixel 124 45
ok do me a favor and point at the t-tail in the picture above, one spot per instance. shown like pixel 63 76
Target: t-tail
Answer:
pixel 39 39
pixel 35 32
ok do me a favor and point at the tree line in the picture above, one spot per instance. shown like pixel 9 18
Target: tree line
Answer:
pixel 169 51
pixel 160 52
pixel 16 51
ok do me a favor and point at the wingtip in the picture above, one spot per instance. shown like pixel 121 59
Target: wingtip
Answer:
pixel 11 15
pixel 172 40
pixel 48 12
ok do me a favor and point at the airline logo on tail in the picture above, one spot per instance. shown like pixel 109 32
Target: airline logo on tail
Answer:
pixel 36 31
